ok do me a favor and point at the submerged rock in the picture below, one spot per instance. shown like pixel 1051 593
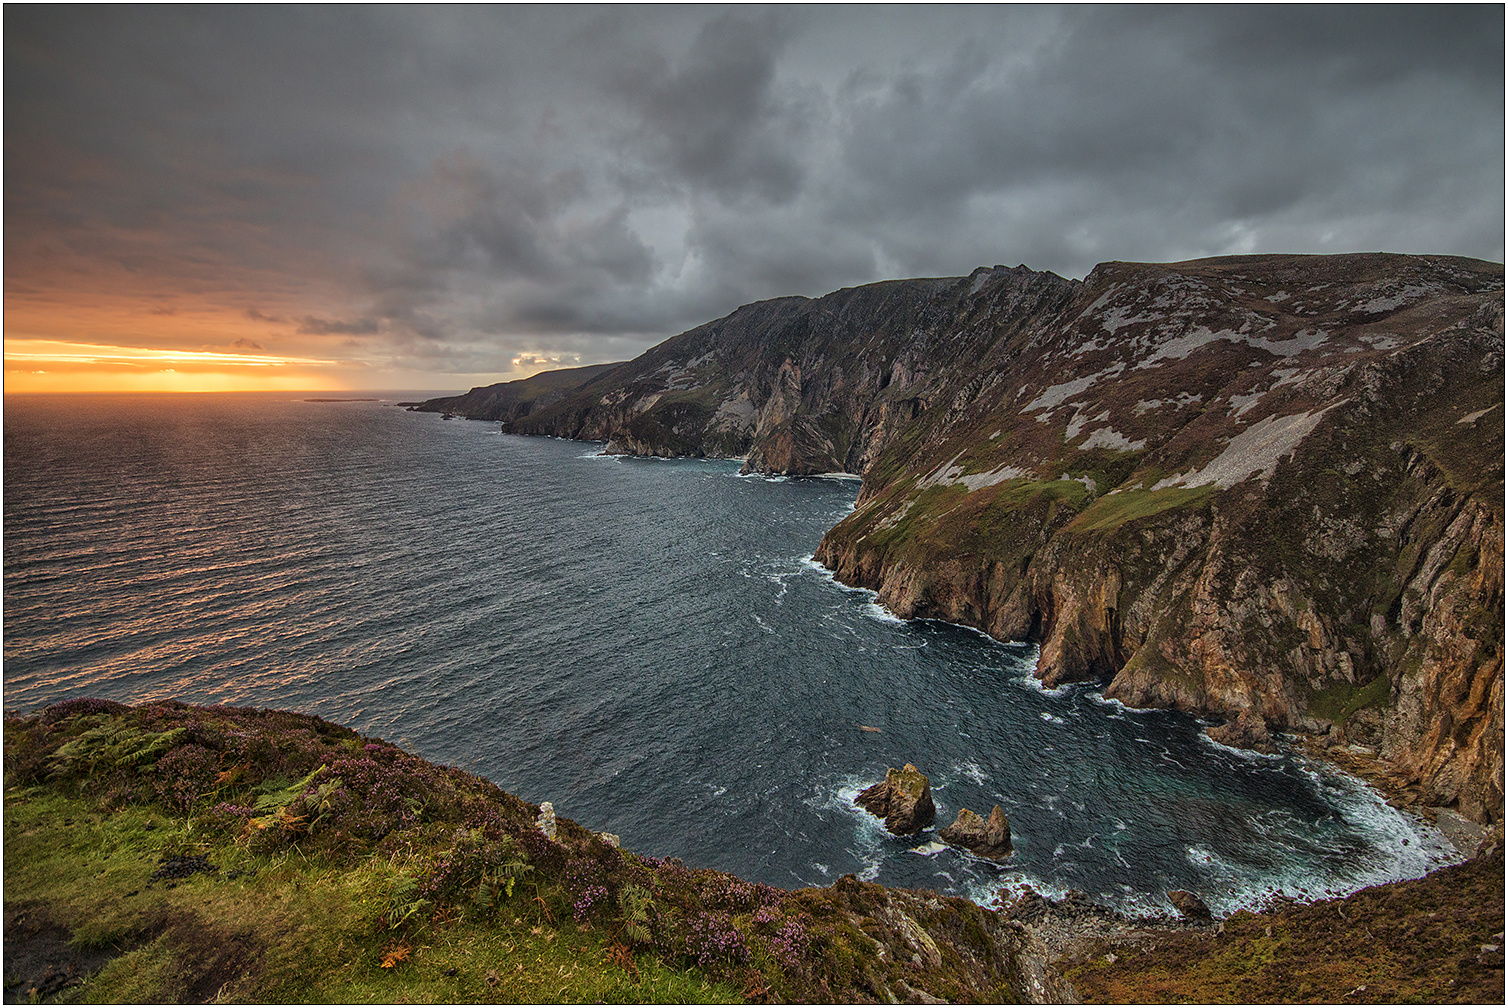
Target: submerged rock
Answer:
pixel 988 838
pixel 1189 905
pixel 903 799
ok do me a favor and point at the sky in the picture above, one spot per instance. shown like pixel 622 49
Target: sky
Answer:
pixel 348 197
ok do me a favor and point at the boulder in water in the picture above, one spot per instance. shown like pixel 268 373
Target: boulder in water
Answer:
pixel 903 799
pixel 1248 731
pixel 987 838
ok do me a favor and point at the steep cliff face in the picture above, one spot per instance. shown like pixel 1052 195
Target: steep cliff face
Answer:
pixel 1269 484
pixel 1265 484
pixel 798 385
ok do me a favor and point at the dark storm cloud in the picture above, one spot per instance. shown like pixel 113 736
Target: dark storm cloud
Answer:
pixel 312 326
pixel 460 187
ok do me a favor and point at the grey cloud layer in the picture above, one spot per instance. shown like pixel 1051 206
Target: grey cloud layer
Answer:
pixel 457 187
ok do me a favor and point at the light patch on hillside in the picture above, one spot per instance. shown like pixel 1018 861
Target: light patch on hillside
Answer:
pixel 1056 395
pixel 1120 316
pixel 978 481
pixel 1240 404
pixel 1256 450
pixel 1304 339
pixel 950 473
pixel 1181 346
pixel 1105 437
pixel 1388 302
pixel 738 409
pixel 1183 399
pixel 1380 342
pixel 1082 419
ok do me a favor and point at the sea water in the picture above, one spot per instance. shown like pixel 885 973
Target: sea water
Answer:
pixel 646 643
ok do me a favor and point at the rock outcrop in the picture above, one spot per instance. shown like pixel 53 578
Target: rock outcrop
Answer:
pixel 903 799
pixel 1263 488
pixel 1247 731
pixel 987 838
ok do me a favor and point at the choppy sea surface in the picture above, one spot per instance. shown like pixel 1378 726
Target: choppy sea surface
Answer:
pixel 646 643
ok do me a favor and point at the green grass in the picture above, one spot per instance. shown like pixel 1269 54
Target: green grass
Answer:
pixel 1114 510
pixel 346 870
pixel 1341 700
pixel 316 928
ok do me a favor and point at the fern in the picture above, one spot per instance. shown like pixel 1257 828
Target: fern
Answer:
pixel 276 797
pixel 636 903
pixel 502 877
pixel 112 744
pixel 275 794
pixel 402 903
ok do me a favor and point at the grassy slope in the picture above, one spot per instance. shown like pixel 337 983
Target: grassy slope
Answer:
pixel 283 927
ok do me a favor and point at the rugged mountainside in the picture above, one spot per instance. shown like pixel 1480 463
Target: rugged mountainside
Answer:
pixel 1269 485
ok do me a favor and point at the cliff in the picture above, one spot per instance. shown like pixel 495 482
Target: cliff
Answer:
pixel 1260 485
pixel 798 385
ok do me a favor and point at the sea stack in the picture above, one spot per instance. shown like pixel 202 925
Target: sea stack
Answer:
pixel 987 838
pixel 903 799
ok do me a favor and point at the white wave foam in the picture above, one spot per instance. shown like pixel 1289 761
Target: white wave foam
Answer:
pixel 973 771
pixel 1052 718
pixel 1249 755
pixel 875 611
pixel 1034 684
pixel 1099 697
pixel 929 848
pixel 1398 846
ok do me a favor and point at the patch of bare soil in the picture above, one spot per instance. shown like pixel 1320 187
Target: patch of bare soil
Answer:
pixel 39 962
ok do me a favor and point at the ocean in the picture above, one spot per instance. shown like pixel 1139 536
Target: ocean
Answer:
pixel 645 643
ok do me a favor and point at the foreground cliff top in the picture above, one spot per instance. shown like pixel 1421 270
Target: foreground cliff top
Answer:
pixel 168 853
pixel 217 853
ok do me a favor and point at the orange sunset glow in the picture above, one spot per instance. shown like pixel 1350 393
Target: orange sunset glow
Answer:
pixel 34 365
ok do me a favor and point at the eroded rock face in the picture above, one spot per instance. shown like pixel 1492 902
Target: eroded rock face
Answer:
pixel 903 799
pixel 988 838
pixel 1266 484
